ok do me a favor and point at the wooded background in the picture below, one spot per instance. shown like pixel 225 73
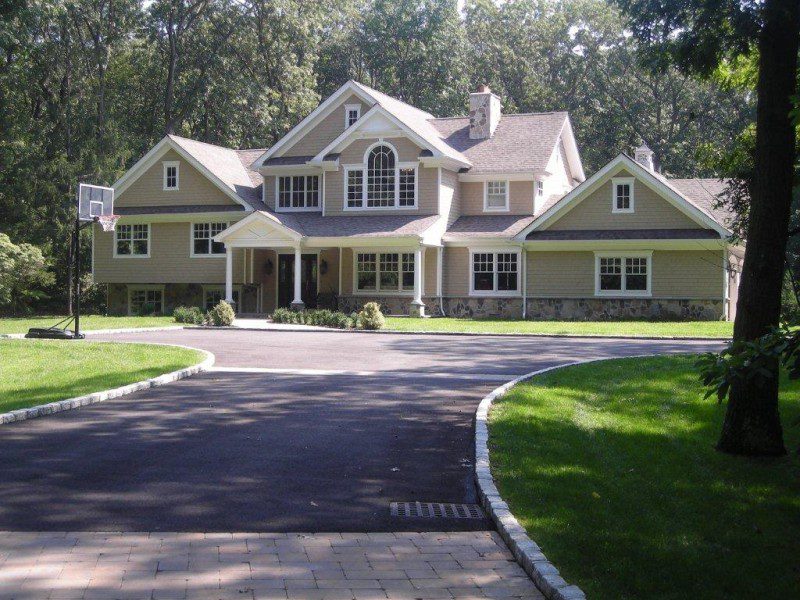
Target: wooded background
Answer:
pixel 88 86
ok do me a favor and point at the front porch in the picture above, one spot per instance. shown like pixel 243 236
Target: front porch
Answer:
pixel 294 271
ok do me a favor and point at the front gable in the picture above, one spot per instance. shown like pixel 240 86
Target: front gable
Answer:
pixel 258 230
pixel 327 129
pixel 650 209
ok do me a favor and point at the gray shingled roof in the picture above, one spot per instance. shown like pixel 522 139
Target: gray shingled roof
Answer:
pixel 488 226
pixel 623 234
pixel 703 194
pixel 315 225
pixel 521 143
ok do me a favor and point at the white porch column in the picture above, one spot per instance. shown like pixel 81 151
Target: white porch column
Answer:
pixel 229 274
pixel 417 307
pixel 297 302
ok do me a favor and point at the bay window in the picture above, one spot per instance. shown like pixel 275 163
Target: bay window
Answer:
pixel 620 274
pixel 495 273
pixel 384 272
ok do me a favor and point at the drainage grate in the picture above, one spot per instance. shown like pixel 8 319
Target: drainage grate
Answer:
pixel 435 510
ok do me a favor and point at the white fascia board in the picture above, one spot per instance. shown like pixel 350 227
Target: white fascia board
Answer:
pixel 290 170
pixel 445 162
pixel 475 177
pixel 626 245
pixel 255 217
pixel 149 159
pixel 323 110
pixel 399 241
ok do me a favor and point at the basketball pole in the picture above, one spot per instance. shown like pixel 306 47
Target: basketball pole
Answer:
pixel 77 270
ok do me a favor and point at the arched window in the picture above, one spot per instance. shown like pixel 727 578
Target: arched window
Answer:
pixel 381 174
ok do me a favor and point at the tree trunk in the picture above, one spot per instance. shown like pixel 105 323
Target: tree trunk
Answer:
pixel 752 423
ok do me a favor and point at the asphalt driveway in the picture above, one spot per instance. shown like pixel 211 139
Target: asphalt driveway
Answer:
pixel 299 431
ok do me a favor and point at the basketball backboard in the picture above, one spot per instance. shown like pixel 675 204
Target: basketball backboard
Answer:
pixel 94 201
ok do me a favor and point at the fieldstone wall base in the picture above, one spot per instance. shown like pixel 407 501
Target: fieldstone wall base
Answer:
pixel 607 309
pixel 468 307
pixel 23 414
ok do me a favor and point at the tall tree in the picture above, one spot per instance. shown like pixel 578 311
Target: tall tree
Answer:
pixel 698 35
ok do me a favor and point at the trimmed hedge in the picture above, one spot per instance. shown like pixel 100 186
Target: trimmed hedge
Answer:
pixel 188 314
pixel 319 318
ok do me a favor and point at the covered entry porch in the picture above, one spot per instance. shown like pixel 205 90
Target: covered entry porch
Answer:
pixel 341 273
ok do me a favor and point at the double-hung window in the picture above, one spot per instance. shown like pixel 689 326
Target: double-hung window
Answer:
pixel 352 112
pixel 146 300
pixel 495 195
pixel 384 271
pixel 171 170
pixel 495 273
pixel 132 240
pixel 381 182
pixel 298 192
pixel 622 195
pixel 623 274
pixel 203 243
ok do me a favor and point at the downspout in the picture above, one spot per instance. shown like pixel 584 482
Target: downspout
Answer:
pixel 439 272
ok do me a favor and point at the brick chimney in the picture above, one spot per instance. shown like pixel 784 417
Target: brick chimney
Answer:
pixel 484 113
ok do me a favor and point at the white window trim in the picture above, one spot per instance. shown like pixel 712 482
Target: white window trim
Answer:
pixel 648 293
pixel 486 207
pixel 347 109
pixel 614 182
pixel 192 253
pixel 494 292
pixel 172 163
pixel 149 241
pixel 363 168
pixel 219 288
pixel 278 207
pixel 132 287
pixel 377 252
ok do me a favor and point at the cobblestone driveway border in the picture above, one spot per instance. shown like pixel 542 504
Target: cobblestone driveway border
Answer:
pixel 23 414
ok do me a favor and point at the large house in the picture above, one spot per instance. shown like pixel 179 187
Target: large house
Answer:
pixel 369 198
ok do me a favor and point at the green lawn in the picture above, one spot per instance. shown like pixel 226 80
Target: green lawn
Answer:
pixel 715 329
pixel 21 325
pixel 39 371
pixel 611 469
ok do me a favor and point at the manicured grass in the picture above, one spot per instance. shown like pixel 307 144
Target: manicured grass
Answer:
pixel 611 469
pixel 88 322
pixel 39 371
pixel 715 329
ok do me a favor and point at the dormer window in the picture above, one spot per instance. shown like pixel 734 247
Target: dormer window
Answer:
pixel 352 112
pixel 495 195
pixel 171 174
pixel 622 195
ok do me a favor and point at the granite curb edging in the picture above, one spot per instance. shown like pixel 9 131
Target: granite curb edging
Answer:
pixel 19 336
pixel 33 412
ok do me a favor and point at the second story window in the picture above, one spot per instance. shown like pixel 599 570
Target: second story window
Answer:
pixel 540 189
pixel 171 174
pixel 298 192
pixel 132 240
pixel 203 243
pixel 496 195
pixel 382 182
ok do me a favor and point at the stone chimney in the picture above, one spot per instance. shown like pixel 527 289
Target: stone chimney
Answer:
pixel 484 113
pixel 644 156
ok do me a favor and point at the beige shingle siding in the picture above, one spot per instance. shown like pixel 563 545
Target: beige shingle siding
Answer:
pixel 651 211
pixel 683 274
pixel 520 198
pixel 456 271
pixel 427 184
pixel 430 261
pixel 169 260
pixel 269 191
pixel 193 187
pixel 329 281
pixel 347 271
pixel 324 132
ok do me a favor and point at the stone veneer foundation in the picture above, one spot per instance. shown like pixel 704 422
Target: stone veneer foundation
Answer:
pixel 175 294
pixel 599 309
pixel 390 305
pixel 467 307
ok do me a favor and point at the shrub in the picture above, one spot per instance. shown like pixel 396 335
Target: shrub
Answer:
pixel 319 318
pixel 371 317
pixel 221 315
pixel 188 314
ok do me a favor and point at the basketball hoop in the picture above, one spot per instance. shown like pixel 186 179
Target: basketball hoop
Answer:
pixel 107 222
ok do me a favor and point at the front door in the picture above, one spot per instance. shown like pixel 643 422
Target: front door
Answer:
pixel 308 280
